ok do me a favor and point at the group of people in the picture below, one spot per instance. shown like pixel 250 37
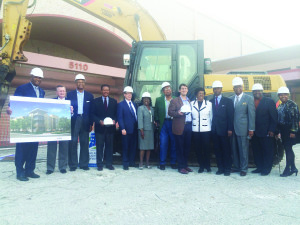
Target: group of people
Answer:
pixel 229 122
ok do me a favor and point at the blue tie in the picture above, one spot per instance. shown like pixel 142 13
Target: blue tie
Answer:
pixel 131 110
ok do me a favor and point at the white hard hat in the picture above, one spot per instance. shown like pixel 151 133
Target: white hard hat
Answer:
pixel 108 121
pixel 165 84
pixel 79 77
pixel 146 95
pixel 257 87
pixel 283 90
pixel 237 81
pixel 128 89
pixel 37 72
pixel 217 84
pixel 185 109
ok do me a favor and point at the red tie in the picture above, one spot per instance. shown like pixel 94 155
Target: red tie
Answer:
pixel 105 104
pixel 217 104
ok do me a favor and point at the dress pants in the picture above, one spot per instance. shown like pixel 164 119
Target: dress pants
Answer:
pixel 25 154
pixel 201 140
pixel 62 155
pixel 240 152
pixel 84 156
pixel 104 142
pixel 166 135
pixel 183 145
pixel 129 144
pixel 222 152
pixel 263 152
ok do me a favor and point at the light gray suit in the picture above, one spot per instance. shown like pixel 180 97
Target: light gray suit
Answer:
pixel 244 120
pixel 145 122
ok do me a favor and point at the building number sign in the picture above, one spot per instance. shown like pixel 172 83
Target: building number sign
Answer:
pixel 78 66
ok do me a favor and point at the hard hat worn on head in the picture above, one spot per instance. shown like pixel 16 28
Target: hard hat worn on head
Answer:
pixel 146 95
pixel 217 84
pixel 283 90
pixel 257 87
pixel 37 72
pixel 79 77
pixel 165 84
pixel 128 89
pixel 237 81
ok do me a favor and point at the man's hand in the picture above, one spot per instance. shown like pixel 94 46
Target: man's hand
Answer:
pixel 101 122
pixel 114 122
pixel 250 133
pixel 180 113
pixel 142 133
pixel 8 110
pixel 292 135
pixel 91 128
pixel 123 132
pixel 229 133
pixel 270 134
pixel 71 108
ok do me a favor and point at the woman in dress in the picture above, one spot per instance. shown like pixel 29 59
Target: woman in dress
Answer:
pixel 146 129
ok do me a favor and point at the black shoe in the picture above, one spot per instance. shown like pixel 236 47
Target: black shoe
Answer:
pixel 227 174
pixel 242 173
pixel 174 166
pixel 22 178
pixel 32 175
pixel 72 168
pixel 264 174
pixel 286 172
pixel 49 172
pixel 219 172
pixel 110 167
pixel 134 165
pixel 208 170
pixel 201 170
pixel 63 171
pixel 100 168
pixel 125 168
pixel 85 168
pixel 294 171
pixel 256 171
pixel 162 167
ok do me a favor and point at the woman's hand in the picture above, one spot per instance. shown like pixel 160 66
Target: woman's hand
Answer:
pixel 142 133
pixel 292 135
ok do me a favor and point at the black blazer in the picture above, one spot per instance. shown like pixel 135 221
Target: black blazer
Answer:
pixel 265 117
pixel 222 120
pixel 87 104
pixel 99 113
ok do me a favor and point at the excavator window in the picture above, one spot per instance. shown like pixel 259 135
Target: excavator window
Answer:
pixel 187 60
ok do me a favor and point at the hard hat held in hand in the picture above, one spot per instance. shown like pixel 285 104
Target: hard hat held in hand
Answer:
pixel 257 87
pixel 217 84
pixel 283 90
pixel 128 89
pixel 37 72
pixel 108 121
pixel 237 81
pixel 146 95
pixel 79 77
pixel 186 109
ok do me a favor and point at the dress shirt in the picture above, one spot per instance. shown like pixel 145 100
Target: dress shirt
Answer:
pixel 132 107
pixel 240 96
pixel 218 99
pixel 167 104
pixel 36 89
pixel 107 99
pixel 61 98
pixel 188 117
pixel 80 98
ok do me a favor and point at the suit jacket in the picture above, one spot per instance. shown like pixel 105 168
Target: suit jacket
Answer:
pixel 222 121
pixel 144 118
pixel 160 110
pixel 99 113
pixel 87 105
pixel 178 120
pixel 126 120
pixel 201 117
pixel 244 115
pixel 26 90
pixel 266 117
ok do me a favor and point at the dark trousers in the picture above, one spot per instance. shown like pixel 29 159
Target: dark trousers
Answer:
pixel 263 152
pixel 104 141
pixel 129 148
pixel 62 155
pixel 288 146
pixel 25 154
pixel 201 140
pixel 166 135
pixel 222 152
pixel 183 145
pixel 79 131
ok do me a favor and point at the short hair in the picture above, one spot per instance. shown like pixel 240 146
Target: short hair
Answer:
pixel 58 86
pixel 182 85
pixel 105 85
pixel 142 101
pixel 199 89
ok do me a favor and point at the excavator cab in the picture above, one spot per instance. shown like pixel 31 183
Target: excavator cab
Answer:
pixel 153 62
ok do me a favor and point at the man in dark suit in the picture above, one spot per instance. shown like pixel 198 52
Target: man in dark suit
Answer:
pixel 26 152
pixel 104 107
pixel 265 125
pixel 81 124
pixel 63 145
pixel 165 126
pixel 221 128
pixel 127 119
pixel 180 109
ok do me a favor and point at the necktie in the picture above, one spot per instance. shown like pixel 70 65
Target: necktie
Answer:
pixel 105 104
pixel 236 100
pixel 217 104
pixel 37 92
pixel 131 110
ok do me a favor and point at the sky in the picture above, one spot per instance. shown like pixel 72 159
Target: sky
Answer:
pixel 274 22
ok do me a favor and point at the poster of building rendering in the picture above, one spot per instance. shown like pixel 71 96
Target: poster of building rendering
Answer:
pixel 39 119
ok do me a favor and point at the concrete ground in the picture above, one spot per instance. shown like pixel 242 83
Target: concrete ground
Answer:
pixel 148 196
